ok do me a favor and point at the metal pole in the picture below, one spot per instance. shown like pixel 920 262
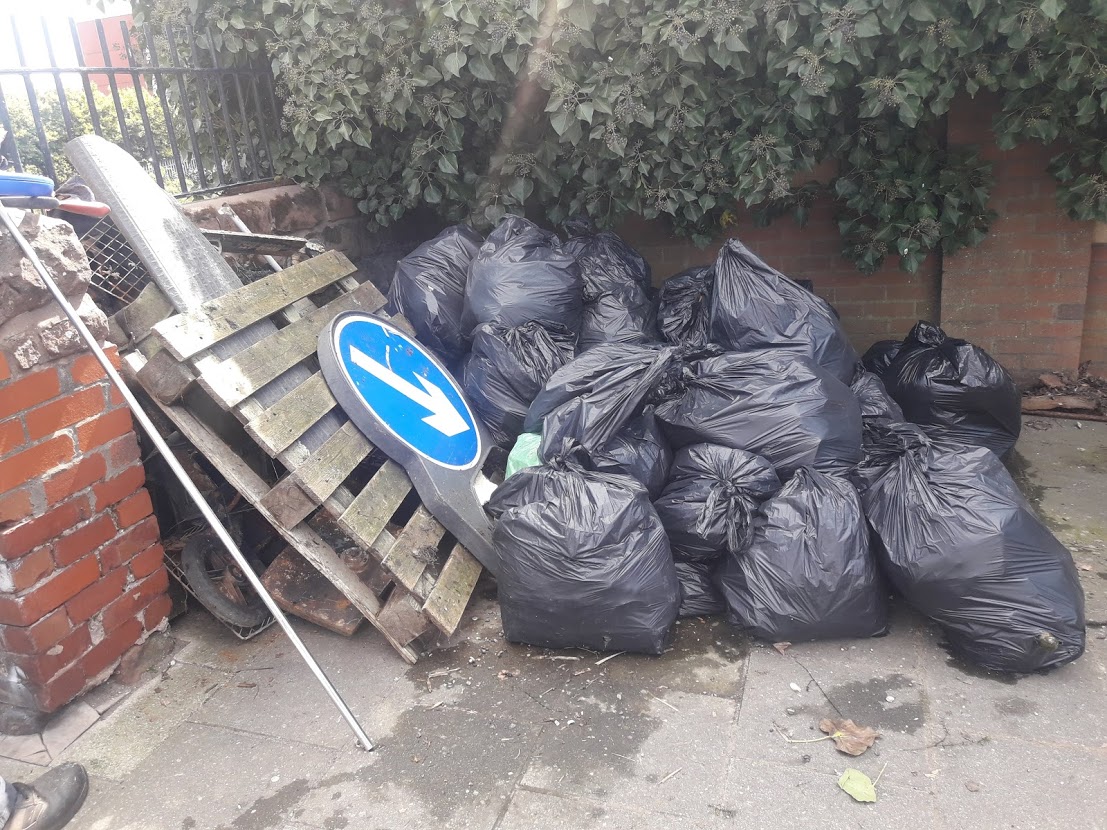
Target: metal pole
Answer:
pixel 174 465
pixel 227 211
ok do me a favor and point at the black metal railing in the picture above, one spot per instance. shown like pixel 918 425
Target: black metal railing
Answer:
pixel 196 125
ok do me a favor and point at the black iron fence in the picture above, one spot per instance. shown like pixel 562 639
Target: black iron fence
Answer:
pixel 163 95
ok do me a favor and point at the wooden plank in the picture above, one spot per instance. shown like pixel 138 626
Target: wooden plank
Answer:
pixel 190 333
pixel 371 509
pixel 149 308
pixel 165 377
pixel 277 427
pixel 300 589
pixel 288 503
pixel 253 488
pixel 415 549
pixel 255 244
pixel 239 377
pixel 402 617
pixel 447 601
pixel 329 465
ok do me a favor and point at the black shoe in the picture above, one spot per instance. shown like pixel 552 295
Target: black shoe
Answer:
pixel 51 802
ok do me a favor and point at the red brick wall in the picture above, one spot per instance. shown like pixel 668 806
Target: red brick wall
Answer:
pixel 1021 293
pixel 1094 345
pixel 873 307
pixel 81 573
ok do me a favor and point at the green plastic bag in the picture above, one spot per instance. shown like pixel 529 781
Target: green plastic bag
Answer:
pixel 524 454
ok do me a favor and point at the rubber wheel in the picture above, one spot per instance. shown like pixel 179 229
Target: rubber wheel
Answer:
pixel 218 582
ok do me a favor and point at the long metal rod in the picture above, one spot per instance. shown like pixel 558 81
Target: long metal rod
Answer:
pixel 174 465
pixel 228 211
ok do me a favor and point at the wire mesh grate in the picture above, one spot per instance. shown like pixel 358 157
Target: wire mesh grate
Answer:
pixel 116 271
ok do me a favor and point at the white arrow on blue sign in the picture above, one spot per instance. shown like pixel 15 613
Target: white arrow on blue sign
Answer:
pixel 407 391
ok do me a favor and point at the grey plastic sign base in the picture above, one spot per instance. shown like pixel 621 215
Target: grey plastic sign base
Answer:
pixel 406 402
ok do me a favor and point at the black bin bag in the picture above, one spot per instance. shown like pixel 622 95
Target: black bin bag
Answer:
pixel 808 573
pixel 584 561
pixel 638 450
pixel 593 396
pixel 781 406
pixel 507 368
pixel 684 307
pixel 606 261
pixel 429 289
pixel 698 595
pixel 710 500
pixel 955 390
pixel 521 274
pixel 623 314
pixel 879 356
pixel 757 307
pixel 874 398
pixel 962 545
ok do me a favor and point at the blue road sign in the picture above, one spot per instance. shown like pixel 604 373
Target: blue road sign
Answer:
pixel 406 390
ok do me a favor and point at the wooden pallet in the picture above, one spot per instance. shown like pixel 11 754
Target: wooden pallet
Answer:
pixel 324 494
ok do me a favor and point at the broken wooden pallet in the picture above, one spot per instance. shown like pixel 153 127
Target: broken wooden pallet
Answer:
pixel 323 493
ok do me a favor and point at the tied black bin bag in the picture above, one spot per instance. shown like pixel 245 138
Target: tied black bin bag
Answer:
pixel 781 406
pixel 638 450
pixel 584 561
pixel 757 307
pixel 429 289
pixel 684 307
pixel 589 399
pixel 879 356
pixel 521 274
pixel 711 498
pixel 961 544
pixel 606 261
pixel 955 391
pixel 808 574
pixel 507 368
pixel 623 314
pixel 698 595
pixel 874 398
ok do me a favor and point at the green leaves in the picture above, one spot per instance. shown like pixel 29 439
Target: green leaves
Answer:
pixel 857 785
pixel 679 108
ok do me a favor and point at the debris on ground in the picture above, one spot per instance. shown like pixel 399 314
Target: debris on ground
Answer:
pixel 1065 392
pixel 848 737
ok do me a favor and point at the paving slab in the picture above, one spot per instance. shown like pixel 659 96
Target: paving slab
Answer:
pixel 765 796
pixel 531 810
pixel 208 777
pixel 877 683
pixel 664 756
pixel 115 746
pixel 1011 783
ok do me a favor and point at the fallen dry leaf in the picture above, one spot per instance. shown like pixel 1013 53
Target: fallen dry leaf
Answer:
pixel 782 647
pixel 848 737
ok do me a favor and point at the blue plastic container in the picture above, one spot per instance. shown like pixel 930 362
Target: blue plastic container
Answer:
pixel 24 184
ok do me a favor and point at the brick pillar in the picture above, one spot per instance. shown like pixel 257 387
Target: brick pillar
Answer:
pixel 1093 349
pixel 1021 293
pixel 81 573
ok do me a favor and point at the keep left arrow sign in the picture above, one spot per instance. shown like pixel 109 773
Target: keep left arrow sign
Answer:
pixel 444 416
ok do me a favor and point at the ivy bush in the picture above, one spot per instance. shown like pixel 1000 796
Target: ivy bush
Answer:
pixel 678 108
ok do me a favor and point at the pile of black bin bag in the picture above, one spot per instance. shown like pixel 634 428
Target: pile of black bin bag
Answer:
pixel 717 446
